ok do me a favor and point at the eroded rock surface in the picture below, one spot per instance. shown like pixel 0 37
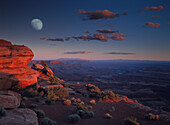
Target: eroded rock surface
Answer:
pixel 19 117
pixel 14 69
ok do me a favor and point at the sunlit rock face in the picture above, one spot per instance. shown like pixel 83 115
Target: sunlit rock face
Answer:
pixel 14 56
pixel 14 69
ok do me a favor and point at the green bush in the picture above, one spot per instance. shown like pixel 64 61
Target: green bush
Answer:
pixel 47 121
pixel 82 107
pixel 40 113
pixel 85 114
pixel 22 105
pixel 55 80
pixel 2 111
pixel 73 118
pixel 131 121
pixel 33 106
pixel 106 95
pixel 61 92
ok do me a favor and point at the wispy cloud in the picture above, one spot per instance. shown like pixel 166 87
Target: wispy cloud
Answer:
pixel 120 53
pixel 154 8
pixel 78 52
pixel 110 25
pixel 56 39
pixel 106 31
pixel 150 24
pixel 98 14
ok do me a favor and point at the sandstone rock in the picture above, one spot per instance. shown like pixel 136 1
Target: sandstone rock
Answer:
pixel 38 66
pixel 47 71
pixel 14 69
pixel 14 56
pixel 9 99
pixel 20 77
pixel 19 117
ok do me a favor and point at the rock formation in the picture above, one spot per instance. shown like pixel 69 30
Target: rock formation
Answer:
pixel 9 99
pixel 14 69
pixel 19 117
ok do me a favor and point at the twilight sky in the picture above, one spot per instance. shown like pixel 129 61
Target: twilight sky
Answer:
pixel 89 29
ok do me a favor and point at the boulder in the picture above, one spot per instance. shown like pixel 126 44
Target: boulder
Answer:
pixel 14 69
pixel 22 116
pixel 9 99
pixel 14 56
pixel 19 77
pixel 47 71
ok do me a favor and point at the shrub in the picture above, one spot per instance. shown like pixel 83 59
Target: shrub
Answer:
pixel 106 95
pixel 131 121
pixel 33 106
pixel 24 98
pixel 92 88
pixel 55 80
pixel 151 116
pixel 82 107
pixel 93 102
pixel 78 100
pixel 47 121
pixel 66 85
pixel 44 63
pixel 73 98
pixel 2 111
pixel 91 95
pixel 67 102
pixel 61 92
pixel 40 113
pixel 30 92
pixel 22 105
pixel 85 114
pixel 108 116
pixel 51 94
pixel 73 118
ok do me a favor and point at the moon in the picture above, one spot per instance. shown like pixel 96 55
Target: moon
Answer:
pixel 37 24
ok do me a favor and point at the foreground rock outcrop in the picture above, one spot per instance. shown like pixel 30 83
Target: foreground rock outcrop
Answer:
pixel 19 117
pixel 9 99
pixel 14 69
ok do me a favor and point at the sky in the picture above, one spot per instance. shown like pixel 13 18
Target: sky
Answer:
pixel 89 29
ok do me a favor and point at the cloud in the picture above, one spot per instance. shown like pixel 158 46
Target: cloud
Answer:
pixel 154 8
pixel 57 39
pixel 96 36
pixel 100 36
pixel 106 31
pixel 150 24
pixel 118 35
pixel 155 16
pixel 110 25
pixel 98 14
pixel 120 53
pixel 42 38
pixel 78 52
pixel 117 38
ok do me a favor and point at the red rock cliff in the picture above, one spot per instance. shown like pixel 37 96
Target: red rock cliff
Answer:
pixel 14 69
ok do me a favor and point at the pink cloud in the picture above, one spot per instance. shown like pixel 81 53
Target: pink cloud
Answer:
pixel 150 24
pixel 154 8
pixel 98 14
pixel 79 52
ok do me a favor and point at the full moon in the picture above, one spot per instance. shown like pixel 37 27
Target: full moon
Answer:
pixel 37 24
